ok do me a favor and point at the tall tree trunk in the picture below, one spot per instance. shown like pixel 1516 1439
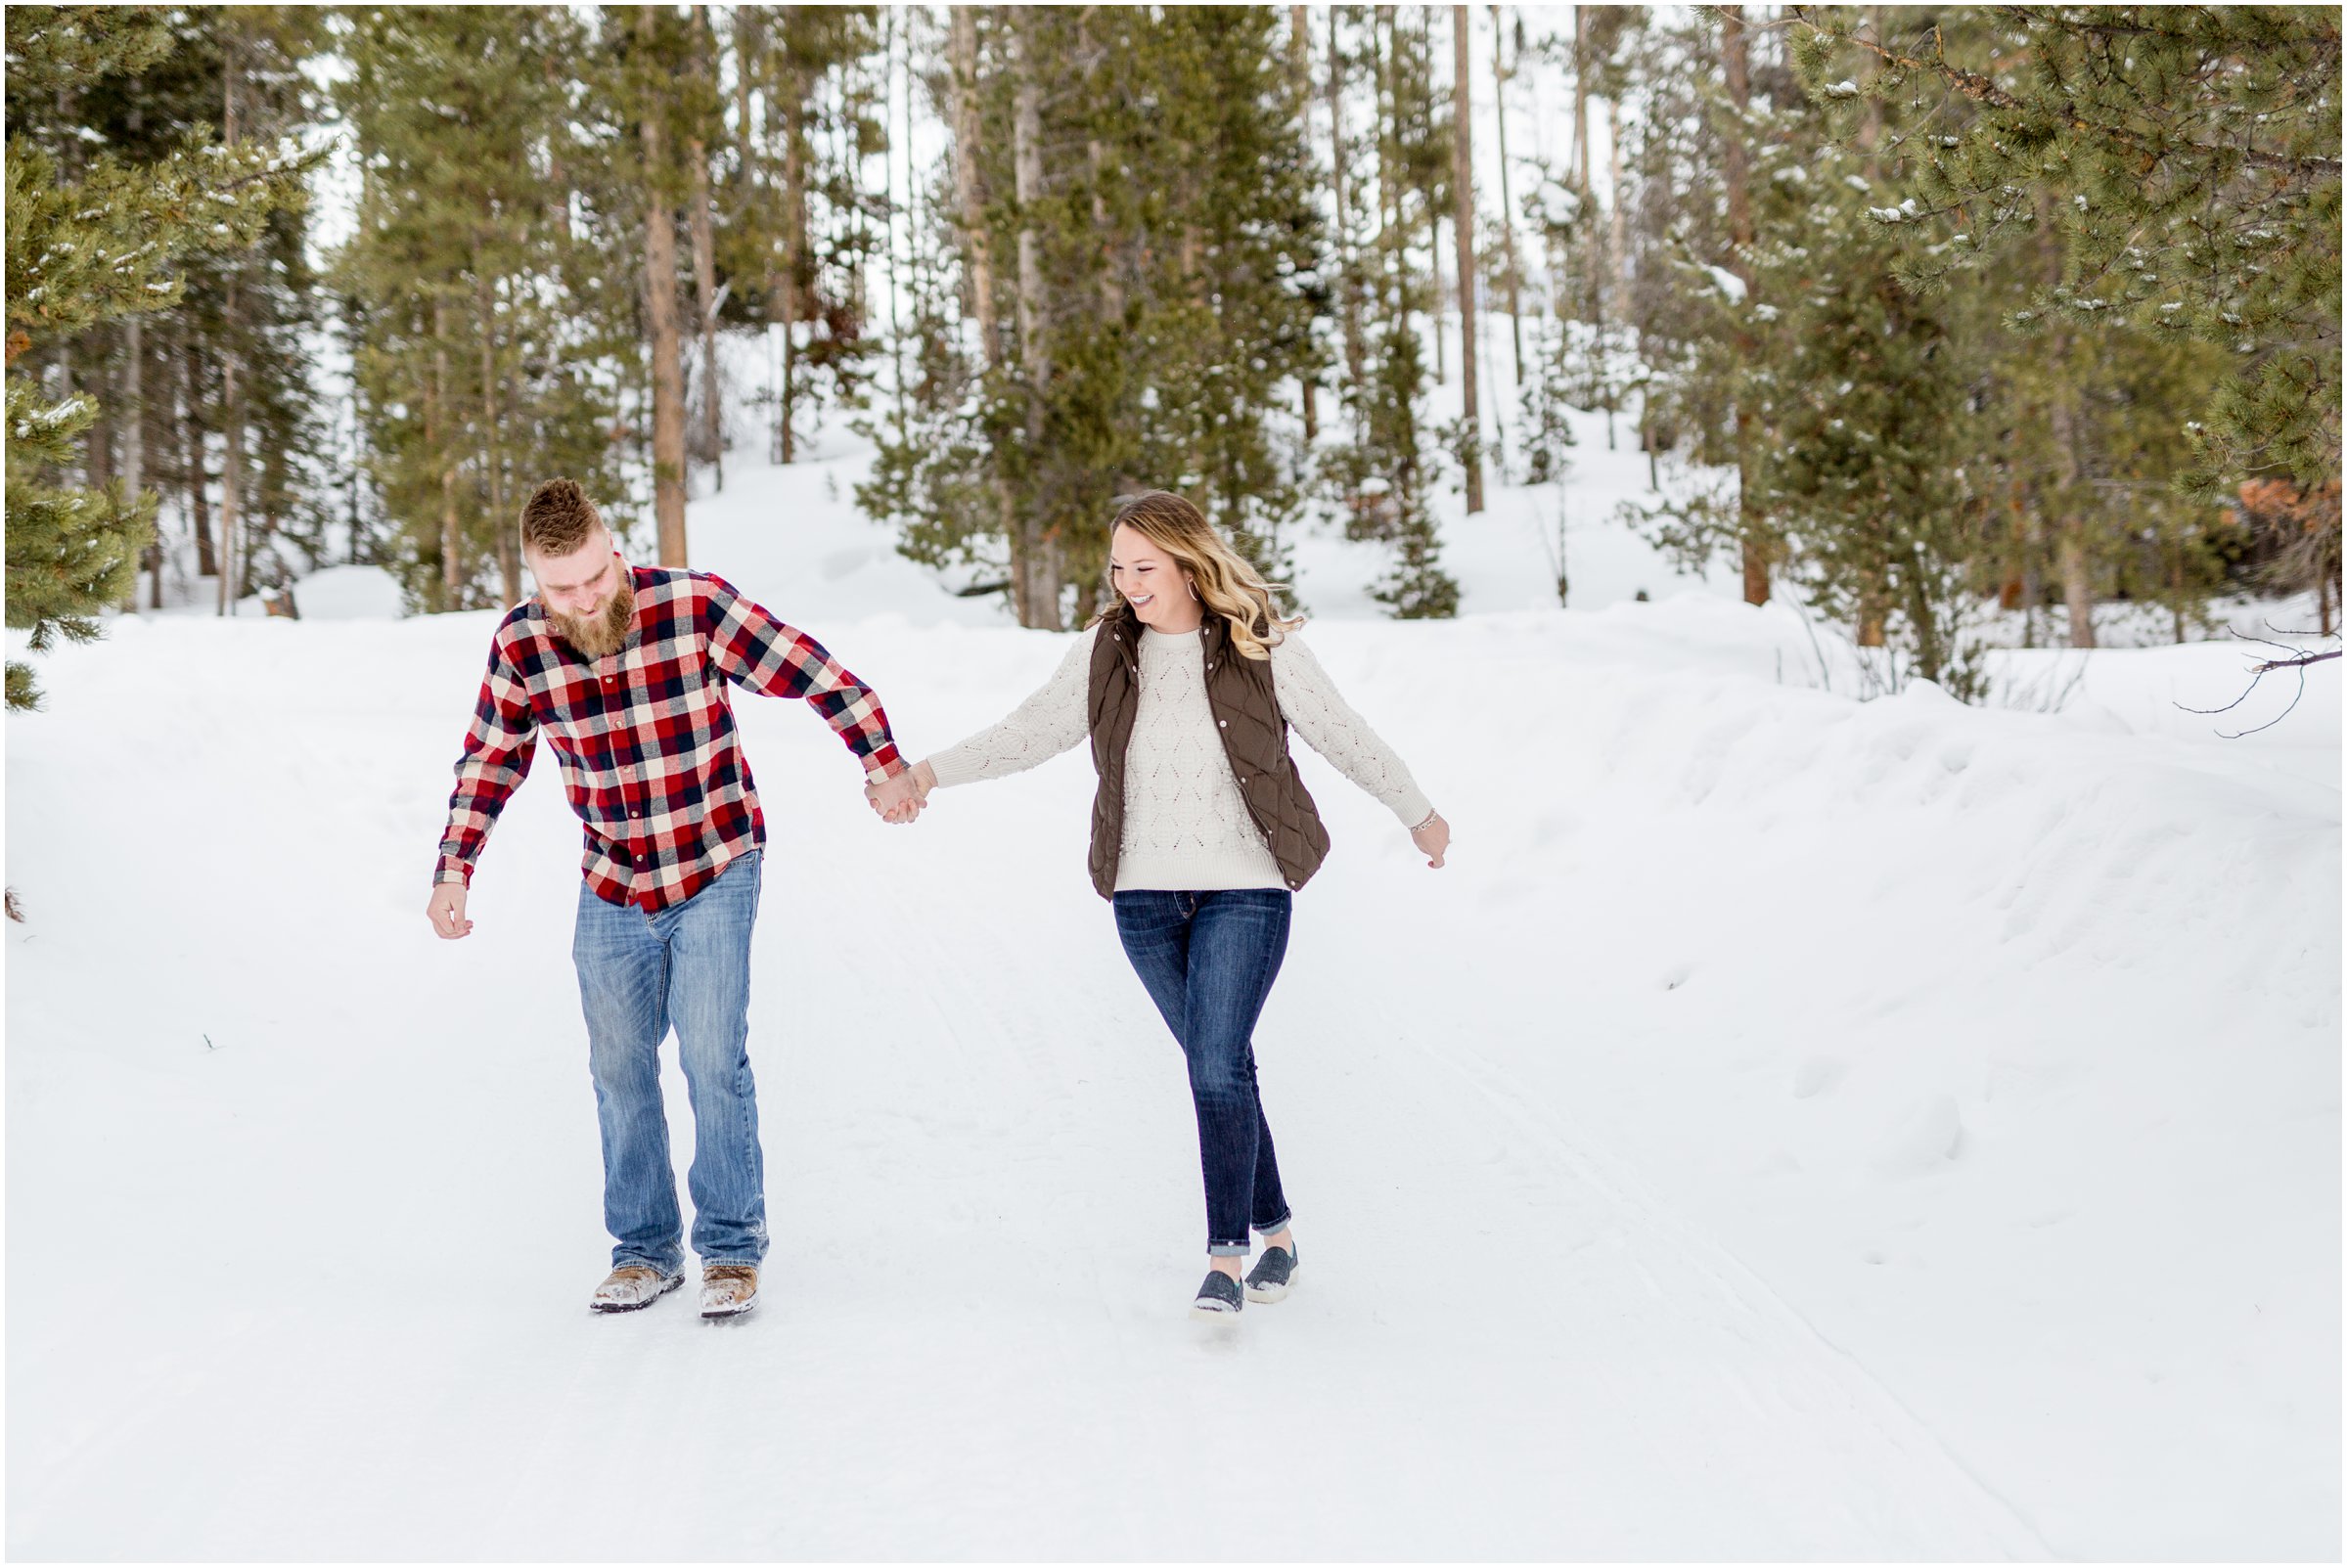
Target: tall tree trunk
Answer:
pixel 509 560
pixel 1500 77
pixel 1095 155
pixel 667 347
pixel 704 268
pixel 1350 283
pixel 1463 182
pixel 557 181
pixel 1388 123
pixel 1033 555
pixel 272 504
pixel 96 354
pixel 2077 581
pixel 232 460
pixel 441 412
pixel 232 401
pixel 2070 523
pixel 1873 591
pixel 977 240
pixel 1579 172
pixel 1440 314
pixel 897 331
pixel 1440 311
pixel 704 288
pixel 968 144
pixel 784 286
pixel 1735 168
pixel 199 464
pixel 134 432
pixel 1618 231
pixel 134 429
pixel 1299 74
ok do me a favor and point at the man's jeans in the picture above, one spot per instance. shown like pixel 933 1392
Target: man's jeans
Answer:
pixel 1208 961
pixel 638 973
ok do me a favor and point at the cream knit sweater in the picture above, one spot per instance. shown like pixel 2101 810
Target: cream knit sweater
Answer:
pixel 1185 825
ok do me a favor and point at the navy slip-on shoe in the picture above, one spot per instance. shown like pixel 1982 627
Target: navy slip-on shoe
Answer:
pixel 1273 1275
pixel 1218 1296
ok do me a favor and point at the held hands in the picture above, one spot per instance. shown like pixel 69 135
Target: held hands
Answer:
pixel 899 799
pixel 1433 837
pixel 446 911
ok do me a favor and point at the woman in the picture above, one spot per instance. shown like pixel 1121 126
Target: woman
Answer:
pixel 1202 831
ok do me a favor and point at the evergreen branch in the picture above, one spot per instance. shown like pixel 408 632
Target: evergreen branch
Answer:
pixel 1984 90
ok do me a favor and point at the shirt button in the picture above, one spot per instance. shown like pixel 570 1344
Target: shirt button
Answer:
pixel 1225 723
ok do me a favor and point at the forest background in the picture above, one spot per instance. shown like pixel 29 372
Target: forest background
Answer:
pixel 1952 322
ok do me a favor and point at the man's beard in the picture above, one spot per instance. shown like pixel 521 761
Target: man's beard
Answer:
pixel 605 632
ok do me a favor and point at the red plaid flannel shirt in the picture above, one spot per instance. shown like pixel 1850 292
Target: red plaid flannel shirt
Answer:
pixel 646 736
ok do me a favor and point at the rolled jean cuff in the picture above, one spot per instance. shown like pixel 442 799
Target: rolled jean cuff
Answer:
pixel 1226 1249
pixel 1277 1226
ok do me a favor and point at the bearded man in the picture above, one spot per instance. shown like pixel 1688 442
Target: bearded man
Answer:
pixel 624 670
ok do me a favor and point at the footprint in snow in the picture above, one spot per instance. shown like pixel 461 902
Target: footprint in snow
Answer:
pixel 1817 1075
pixel 1926 1139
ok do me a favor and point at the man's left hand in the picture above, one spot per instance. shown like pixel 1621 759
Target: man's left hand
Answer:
pixel 899 799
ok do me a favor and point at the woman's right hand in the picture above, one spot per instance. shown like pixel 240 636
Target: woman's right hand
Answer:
pixel 1433 837
pixel 900 800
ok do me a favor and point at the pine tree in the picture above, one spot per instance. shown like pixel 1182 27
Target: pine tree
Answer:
pixel 94 236
pixel 2190 159
pixel 799 234
pixel 491 322
pixel 1138 247
pixel 1382 480
pixel 1831 397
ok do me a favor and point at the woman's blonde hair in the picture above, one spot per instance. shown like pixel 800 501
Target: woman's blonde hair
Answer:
pixel 1227 584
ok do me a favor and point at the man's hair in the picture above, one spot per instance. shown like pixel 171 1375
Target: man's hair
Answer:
pixel 557 518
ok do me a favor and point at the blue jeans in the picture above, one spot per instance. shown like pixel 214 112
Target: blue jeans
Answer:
pixel 1208 961
pixel 639 973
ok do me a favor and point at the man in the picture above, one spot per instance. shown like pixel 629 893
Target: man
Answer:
pixel 623 670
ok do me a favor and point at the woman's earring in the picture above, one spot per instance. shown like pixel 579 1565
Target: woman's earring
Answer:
pixel 1193 586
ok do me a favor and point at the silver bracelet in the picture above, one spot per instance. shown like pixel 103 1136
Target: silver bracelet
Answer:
pixel 1428 822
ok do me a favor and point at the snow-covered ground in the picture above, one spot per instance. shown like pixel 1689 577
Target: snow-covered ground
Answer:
pixel 1790 1127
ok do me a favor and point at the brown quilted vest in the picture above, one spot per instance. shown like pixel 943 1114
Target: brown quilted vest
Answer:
pixel 1247 715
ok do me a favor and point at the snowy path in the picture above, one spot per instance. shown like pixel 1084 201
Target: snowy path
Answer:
pixel 1791 1128
pixel 316 1290
pixel 352 1320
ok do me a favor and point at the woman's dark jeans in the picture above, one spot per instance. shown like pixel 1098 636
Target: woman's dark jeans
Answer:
pixel 1208 961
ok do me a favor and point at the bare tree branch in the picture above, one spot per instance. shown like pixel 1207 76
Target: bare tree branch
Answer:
pixel 2294 659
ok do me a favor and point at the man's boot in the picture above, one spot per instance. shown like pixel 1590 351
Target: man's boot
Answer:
pixel 633 1286
pixel 728 1289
